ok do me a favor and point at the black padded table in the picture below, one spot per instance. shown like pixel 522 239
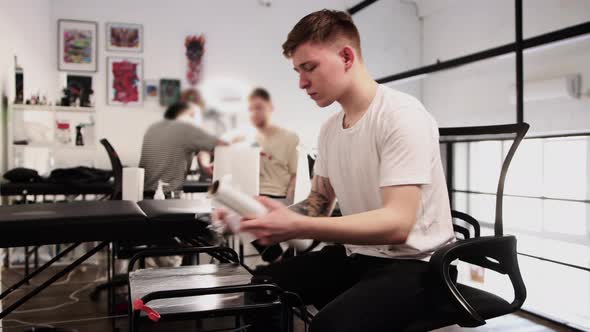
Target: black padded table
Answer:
pixel 97 221
pixel 75 222
pixel 90 188
pixel 195 186
pixel 173 210
pixel 182 219
pixel 80 221
pixel 46 188
pixel 176 217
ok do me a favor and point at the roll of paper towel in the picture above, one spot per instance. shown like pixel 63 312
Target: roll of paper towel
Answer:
pixel 246 206
pixel 242 163
pixel 133 183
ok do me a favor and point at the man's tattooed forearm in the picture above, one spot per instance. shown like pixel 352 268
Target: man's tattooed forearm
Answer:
pixel 316 205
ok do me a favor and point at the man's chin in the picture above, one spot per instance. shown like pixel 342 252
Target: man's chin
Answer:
pixel 324 103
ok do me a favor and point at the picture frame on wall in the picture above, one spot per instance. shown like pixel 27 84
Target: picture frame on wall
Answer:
pixel 124 81
pixel 80 88
pixel 77 45
pixel 124 37
pixel 152 90
pixel 169 91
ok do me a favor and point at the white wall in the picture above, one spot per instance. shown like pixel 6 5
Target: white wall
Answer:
pixel 478 94
pixel 24 29
pixel 391 40
pixel 25 32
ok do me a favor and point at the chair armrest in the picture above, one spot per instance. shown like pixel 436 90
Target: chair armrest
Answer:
pixel 478 251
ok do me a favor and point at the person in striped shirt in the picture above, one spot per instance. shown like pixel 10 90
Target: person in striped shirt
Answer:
pixel 169 146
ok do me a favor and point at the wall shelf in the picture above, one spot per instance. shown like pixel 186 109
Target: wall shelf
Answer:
pixel 55 146
pixel 24 107
pixel 45 117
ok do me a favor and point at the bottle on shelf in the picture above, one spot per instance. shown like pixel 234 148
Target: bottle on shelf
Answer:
pixel 63 134
pixel 79 137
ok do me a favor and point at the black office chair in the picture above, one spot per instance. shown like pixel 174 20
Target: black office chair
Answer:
pixel 117 167
pixel 310 164
pixel 121 279
pixel 468 306
pixel 121 251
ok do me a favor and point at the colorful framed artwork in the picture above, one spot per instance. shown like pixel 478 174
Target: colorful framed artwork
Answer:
pixel 169 91
pixel 124 37
pixel 77 49
pixel 151 90
pixel 124 81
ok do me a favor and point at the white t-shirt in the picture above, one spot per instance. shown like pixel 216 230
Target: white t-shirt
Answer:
pixel 394 143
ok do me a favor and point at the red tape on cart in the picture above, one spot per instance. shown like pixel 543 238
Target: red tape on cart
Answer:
pixel 152 314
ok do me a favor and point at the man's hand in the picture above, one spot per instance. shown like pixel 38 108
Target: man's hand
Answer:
pixel 279 225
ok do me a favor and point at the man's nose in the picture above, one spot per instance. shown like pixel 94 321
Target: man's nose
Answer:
pixel 303 82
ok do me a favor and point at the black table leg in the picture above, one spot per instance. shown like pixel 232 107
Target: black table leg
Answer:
pixel 27 262
pixel 36 256
pixel 53 279
pixel 109 282
pixel 28 277
pixel 241 251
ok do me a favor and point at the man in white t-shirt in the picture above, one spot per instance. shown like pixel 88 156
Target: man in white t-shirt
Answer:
pixel 380 158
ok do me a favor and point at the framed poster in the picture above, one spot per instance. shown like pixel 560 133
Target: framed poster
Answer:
pixel 77 49
pixel 169 91
pixel 151 90
pixel 124 81
pixel 124 37
pixel 80 87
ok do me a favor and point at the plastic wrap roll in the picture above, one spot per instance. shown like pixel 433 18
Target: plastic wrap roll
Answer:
pixel 247 207
pixel 241 203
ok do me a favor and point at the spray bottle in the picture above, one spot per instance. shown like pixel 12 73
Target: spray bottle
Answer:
pixel 79 137
pixel 159 195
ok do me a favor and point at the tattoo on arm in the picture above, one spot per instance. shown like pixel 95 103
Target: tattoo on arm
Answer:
pixel 320 201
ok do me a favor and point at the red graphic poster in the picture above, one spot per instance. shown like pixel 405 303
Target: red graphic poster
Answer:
pixel 125 81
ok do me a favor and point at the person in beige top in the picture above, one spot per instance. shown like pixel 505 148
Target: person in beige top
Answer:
pixel 278 159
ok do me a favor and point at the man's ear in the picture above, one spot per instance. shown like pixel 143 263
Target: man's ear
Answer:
pixel 348 57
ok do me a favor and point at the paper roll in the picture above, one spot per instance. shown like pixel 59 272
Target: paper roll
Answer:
pixel 242 163
pixel 247 207
pixel 133 183
pixel 242 203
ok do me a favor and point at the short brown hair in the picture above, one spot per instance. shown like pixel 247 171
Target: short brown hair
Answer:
pixel 193 96
pixel 260 93
pixel 321 26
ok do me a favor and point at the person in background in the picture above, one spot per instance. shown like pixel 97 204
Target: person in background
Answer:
pixel 202 120
pixel 278 161
pixel 169 146
pixel 278 158
pixel 168 149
